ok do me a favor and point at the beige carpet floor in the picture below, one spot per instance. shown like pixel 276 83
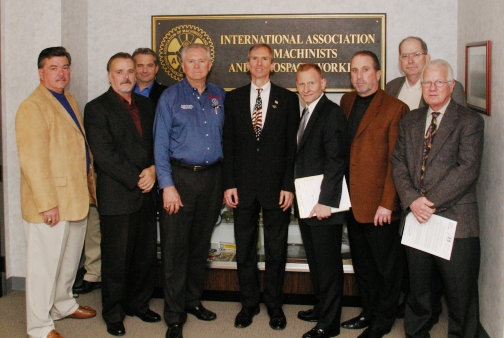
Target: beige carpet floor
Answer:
pixel 13 322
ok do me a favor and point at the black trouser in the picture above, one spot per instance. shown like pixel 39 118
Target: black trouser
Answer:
pixel 460 278
pixel 323 251
pixel 185 239
pixel 437 284
pixel 128 253
pixel 376 260
pixel 276 225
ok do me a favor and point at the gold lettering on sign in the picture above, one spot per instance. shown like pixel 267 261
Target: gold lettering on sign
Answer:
pixel 324 39
pixel 322 53
pixel 270 39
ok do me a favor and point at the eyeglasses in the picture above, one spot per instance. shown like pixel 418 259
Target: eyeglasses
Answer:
pixel 437 83
pixel 415 55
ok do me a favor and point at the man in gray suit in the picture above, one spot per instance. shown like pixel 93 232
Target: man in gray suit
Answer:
pixel 446 186
pixel 413 56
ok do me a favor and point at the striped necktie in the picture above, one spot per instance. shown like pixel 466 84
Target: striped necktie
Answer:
pixel 257 115
pixel 427 145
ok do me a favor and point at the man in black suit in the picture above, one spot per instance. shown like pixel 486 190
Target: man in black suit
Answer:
pixel 322 149
pixel 258 169
pixel 436 164
pixel 119 128
pixel 147 67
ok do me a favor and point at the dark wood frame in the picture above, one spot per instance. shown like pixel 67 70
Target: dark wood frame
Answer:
pixel 482 107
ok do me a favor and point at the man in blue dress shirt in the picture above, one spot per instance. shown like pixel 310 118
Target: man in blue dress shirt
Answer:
pixel 188 153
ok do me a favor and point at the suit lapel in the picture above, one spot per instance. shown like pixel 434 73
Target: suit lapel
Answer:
pixel 271 109
pixel 58 107
pixel 418 134
pixel 118 108
pixel 244 110
pixel 144 121
pixel 371 112
pixel 445 129
pixel 312 121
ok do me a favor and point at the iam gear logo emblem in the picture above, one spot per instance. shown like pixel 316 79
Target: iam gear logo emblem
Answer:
pixel 172 43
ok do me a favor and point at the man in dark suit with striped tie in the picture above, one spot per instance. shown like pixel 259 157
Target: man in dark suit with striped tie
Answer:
pixel 259 147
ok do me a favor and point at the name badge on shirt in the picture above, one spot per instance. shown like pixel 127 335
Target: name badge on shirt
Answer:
pixel 215 104
pixel 186 106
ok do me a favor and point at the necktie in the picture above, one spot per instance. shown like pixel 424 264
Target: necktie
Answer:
pixel 427 145
pixel 257 115
pixel 302 124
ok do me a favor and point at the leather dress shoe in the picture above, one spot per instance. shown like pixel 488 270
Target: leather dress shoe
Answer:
pixel 86 287
pixel 308 316
pixel 201 313
pixel 148 316
pixel 321 333
pixel 244 317
pixel 357 323
pixel 83 312
pixel 116 329
pixel 277 319
pixel 174 331
pixel 372 332
pixel 54 334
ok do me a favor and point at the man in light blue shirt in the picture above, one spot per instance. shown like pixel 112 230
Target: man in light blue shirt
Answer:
pixel 188 154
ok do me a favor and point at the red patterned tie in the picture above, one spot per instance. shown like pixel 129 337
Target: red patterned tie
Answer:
pixel 429 137
pixel 257 115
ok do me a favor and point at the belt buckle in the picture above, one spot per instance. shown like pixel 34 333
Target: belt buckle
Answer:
pixel 196 167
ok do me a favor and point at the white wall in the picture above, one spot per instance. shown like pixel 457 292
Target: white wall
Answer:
pixel 94 30
pixel 479 21
pixel 110 31
pixel 27 28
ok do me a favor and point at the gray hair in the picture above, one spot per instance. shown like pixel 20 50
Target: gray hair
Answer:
pixel 195 45
pixel 439 63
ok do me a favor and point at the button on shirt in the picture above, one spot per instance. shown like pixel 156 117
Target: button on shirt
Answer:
pixel 188 128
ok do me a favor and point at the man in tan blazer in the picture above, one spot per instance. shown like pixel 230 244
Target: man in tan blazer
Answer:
pixel 57 186
pixel 373 228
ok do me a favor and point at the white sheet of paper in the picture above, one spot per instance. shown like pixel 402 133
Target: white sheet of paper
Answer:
pixel 434 236
pixel 308 191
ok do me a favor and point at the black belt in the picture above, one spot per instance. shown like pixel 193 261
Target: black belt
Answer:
pixel 193 167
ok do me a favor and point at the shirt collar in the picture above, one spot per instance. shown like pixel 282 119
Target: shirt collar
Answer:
pixel 415 86
pixel 312 105
pixel 188 85
pixel 123 100
pixel 440 111
pixel 266 87
pixel 145 91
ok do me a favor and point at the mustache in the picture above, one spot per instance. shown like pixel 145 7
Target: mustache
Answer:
pixel 126 81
